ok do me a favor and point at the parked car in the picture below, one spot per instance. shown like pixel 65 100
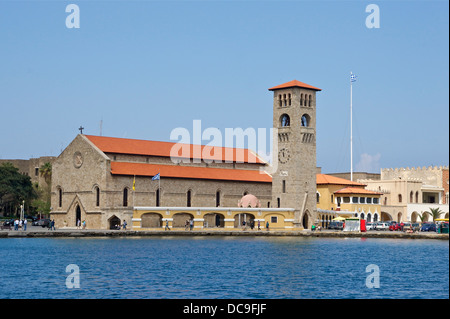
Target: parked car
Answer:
pixel 44 222
pixel 336 225
pixel 406 226
pixel 428 227
pixel 416 226
pixel 395 226
pixel 9 222
pixel 382 226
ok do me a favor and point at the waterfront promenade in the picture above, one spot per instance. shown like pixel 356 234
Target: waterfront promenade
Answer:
pixel 36 231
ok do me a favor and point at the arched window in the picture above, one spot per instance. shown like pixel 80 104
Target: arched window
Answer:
pixel 411 196
pixel 301 99
pixel 188 199
pixel 309 100
pixel 279 100
pixel 217 198
pixel 97 196
pixel 289 99
pixel 158 197
pixel 285 120
pixel 59 197
pixel 284 98
pixel 305 120
pixel 417 197
pixel 125 197
pixel 399 198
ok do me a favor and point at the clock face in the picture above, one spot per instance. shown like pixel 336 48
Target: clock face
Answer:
pixel 284 155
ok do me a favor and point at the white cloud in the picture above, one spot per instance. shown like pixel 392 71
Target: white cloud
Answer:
pixel 369 163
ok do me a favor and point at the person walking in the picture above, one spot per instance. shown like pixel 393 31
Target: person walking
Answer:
pixel 259 225
pixel 25 224
pixel 191 224
pixel 124 225
pixel 267 226
pixel 16 225
pixel 84 224
pixel 52 225
pixel 167 225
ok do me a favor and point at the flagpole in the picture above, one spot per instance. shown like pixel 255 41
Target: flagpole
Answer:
pixel 351 129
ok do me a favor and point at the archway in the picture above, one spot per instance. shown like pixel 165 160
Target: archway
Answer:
pixel 306 220
pixel 239 218
pixel 399 217
pixel 385 217
pixel 414 217
pixel 214 220
pixel 151 220
pixel 114 222
pixel 179 219
pixel 78 216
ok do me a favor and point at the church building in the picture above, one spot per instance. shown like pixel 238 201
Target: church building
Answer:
pixel 106 180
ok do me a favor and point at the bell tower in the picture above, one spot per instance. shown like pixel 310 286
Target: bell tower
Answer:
pixel 294 121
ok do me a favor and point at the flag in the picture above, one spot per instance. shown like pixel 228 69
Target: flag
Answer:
pixel 134 183
pixel 156 177
pixel 352 77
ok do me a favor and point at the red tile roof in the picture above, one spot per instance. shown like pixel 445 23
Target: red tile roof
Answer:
pixel 294 83
pixel 323 179
pixel 157 148
pixel 192 172
pixel 355 190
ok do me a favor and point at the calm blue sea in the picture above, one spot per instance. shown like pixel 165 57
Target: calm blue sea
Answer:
pixel 223 267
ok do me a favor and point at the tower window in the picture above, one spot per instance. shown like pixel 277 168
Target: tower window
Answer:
pixel 279 100
pixel 289 99
pixel 305 120
pixel 309 100
pixel 284 186
pixel 285 120
pixel 278 202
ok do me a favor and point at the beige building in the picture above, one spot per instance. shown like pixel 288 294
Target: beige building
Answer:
pixel 106 181
pixel 341 197
pixel 409 192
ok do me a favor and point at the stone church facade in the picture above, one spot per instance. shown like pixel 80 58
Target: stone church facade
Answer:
pixel 105 180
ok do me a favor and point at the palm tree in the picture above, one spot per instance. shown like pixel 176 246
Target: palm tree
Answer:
pixel 435 213
pixel 422 217
pixel 46 172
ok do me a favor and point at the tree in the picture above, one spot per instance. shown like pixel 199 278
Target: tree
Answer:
pixel 435 213
pixel 14 186
pixel 46 172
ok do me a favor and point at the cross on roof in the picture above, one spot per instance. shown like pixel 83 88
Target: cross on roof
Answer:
pixel 81 128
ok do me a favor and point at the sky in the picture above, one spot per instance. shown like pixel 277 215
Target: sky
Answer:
pixel 140 69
